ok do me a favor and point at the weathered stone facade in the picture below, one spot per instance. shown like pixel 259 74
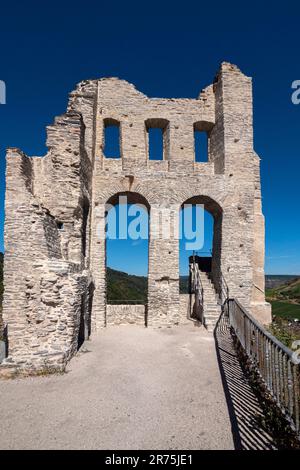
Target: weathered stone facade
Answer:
pixel 55 281
pixel 122 314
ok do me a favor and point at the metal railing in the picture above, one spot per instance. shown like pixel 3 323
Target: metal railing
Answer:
pixel 224 293
pixel 197 290
pixel 277 365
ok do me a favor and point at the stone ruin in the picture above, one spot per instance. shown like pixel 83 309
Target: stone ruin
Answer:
pixel 55 258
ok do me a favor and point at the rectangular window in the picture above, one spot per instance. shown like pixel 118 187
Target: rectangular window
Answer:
pixel 156 143
pixel 158 138
pixel 201 146
pixel 112 139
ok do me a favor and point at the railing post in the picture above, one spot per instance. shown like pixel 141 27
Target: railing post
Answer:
pixel 296 380
pixel 244 332
pixel 290 388
pixel 230 313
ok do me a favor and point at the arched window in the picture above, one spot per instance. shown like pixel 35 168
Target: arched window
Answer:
pixel 112 138
pixel 157 138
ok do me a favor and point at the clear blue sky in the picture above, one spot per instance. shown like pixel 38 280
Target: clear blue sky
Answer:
pixel 131 255
pixel 166 51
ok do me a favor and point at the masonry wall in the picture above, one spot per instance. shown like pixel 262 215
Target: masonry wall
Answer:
pixel 46 287
pixel 125 315
pixel 55 256
pixel 137 314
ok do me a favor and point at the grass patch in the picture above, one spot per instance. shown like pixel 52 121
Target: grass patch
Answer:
pixel 285 309
pixel 284 332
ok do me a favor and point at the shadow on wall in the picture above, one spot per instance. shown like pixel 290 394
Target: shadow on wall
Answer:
pixel 243 406
pixel 84 330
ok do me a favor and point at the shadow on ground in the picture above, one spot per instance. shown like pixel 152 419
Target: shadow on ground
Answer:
pixel 243 406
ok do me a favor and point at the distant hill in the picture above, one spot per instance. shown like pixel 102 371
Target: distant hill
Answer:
pixel 276 280
pixel 124 287
pixel 290 290
pixel 129 287
pixel 285 301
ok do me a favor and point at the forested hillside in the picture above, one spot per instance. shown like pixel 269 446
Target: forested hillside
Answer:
pixel 125 287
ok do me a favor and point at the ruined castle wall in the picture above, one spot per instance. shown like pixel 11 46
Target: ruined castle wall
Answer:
pixel 44 285
pixel 154 180
pixel 55 260
pixel 227 178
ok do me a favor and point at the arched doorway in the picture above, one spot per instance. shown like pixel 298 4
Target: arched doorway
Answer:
pixel 126 254
pixel 200 242
pixel 208 243
pixel 196 238
pixel 201 214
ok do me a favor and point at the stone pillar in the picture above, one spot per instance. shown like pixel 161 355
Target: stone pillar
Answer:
pixel 231 139
pixel 98 267
pixel 259 307
pixel 163 277
pixel 236 253
pixel 231 146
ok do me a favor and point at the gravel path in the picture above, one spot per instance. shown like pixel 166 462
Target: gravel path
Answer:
pixel 130 388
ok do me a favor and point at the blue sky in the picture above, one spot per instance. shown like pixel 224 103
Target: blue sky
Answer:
pixel 131 255
pixel 166 51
